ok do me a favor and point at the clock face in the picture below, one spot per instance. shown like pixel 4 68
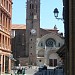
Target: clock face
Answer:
pixel 33 31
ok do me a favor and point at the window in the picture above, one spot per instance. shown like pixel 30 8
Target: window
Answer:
pixel 3 19
pixel 0 17
pixel 50 42
pixel 9 22
pixel 31 39
pixel 6 64
pixel 30 6
pixel 52 62
pixel 3 41
pixel 3 64
pixel 41 44
pixel 6 22
pixel 7 5
pixel 12 33
pixel 58 44
pixel 8 43
pixel 39 60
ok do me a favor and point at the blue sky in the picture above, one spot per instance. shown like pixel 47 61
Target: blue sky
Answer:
pixel 47 19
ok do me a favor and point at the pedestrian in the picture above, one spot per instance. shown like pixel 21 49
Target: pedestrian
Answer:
pixel 23 71
pixel 19 66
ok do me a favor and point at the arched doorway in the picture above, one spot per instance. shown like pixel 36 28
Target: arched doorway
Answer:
pixel 53 59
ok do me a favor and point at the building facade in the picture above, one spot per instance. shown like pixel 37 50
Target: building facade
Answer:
pixel 5 28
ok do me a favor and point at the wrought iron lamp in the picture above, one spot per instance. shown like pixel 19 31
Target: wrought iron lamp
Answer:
pixel 56 12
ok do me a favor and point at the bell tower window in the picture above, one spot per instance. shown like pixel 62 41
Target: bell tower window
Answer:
pixel 30 6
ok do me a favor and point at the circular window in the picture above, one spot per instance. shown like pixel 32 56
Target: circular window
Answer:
pixel 50 42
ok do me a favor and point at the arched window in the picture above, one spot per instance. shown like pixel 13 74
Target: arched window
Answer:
pixel 50 42
pixel 41 44
pixel 30 6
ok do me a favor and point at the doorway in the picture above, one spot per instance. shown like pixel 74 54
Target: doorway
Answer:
pixel 53 62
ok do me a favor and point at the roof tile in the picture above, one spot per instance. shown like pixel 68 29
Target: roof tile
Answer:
pixel 18 26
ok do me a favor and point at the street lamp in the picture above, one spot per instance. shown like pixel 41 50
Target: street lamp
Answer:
pixel 56 12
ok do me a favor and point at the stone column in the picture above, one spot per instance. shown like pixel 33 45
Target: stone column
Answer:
pixel 45 55
pixel 9 65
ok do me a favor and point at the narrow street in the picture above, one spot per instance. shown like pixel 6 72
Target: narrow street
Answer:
pixel 35 71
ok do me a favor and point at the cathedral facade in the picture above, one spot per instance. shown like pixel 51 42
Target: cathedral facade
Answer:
pixel 46 49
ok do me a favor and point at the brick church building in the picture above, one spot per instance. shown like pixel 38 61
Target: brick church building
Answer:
pixel 32 44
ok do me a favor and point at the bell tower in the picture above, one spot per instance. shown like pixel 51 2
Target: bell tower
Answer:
pixel 32 28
